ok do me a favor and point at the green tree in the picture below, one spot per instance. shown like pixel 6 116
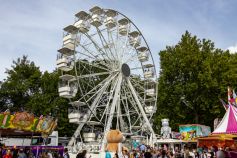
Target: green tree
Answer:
pixel 194 75
pixel 23 81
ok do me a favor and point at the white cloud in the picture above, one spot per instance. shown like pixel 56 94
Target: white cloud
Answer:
pixel 233 49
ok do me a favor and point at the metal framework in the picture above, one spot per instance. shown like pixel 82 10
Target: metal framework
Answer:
pixel 109 75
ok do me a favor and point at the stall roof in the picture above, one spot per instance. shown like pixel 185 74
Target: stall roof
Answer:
pixel 168 141
pixel 228 124
pixel 17 133
pixel 192 125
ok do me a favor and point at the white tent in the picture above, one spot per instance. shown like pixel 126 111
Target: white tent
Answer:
pixel 228 124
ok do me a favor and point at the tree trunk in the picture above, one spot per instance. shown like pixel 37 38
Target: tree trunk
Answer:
pixel 196 118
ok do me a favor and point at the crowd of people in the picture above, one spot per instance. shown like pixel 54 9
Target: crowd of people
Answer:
pixel 149 152
pixel 186 152
pixel 27 153
pixel 140 152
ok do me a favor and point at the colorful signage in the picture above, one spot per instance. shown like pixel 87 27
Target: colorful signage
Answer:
pixel 191 131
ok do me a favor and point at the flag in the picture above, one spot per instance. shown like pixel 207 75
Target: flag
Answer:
pixel 234 98
pixel 229 94
pixel 224 104
pixel 234 95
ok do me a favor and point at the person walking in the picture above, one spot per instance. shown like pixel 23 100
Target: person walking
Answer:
pixel 125 154
pixel 21 154
pixel 142 148
pixel 220 153
pixel 85 154
pixel 8 154
pixel 148 154
pixel 65 154
pixel 171 155
pixel 163 154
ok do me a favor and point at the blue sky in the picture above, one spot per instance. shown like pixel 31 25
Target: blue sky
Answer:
pixel 34 27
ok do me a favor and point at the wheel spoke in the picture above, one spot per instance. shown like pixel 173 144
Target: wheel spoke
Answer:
pixel 140 106
pixel 99 49
pixel 103 40
pixel 112 109
pixel 95 57
pixel 95 65
pixel 95 74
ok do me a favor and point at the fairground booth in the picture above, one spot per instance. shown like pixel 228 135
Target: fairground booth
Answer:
pixel 24 124
pixel 225 134
pixel 19 130
pixel 190 132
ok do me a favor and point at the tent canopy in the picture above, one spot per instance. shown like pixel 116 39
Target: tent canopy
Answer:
pixel 219 137
pixel 228 124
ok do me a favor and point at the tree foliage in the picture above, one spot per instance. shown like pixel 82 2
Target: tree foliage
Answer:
pixel 194 75
pixel 23 81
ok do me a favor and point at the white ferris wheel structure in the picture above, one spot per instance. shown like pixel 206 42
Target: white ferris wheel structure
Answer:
pixel 108 74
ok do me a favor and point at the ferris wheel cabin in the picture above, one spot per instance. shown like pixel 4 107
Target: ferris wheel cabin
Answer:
pixel 69 37
pixel 82 22
pixel 150 86
pixel 64 61
pixel 89 135
pixel 123 26
pixel 134 39
pixel 150 105
pixel 143 54
pixel 96 18
pixel 78 113
pixel 148 71
pixel 110 20
pixel 150 92
pixel 77 117
pixel 66 87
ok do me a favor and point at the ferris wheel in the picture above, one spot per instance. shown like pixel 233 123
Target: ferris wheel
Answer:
pixel 108 74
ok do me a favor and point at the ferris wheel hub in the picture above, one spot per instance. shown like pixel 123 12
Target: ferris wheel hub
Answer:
pixel 125 70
